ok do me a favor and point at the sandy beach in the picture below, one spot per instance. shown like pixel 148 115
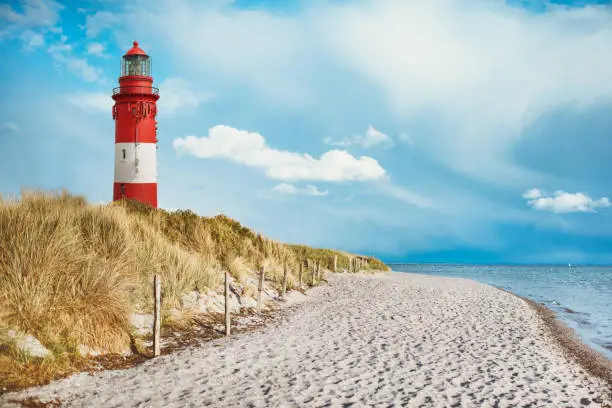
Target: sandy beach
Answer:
pixel 393 339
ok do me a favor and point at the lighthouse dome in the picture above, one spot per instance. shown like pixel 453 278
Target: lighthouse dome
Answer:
pixel 135 50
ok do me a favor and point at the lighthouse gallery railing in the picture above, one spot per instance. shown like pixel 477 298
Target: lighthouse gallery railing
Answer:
pixel 136 90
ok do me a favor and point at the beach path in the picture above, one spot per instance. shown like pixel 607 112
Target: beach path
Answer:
pixel 393 339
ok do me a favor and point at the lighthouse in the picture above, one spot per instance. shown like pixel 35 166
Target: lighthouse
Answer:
pixel 134 114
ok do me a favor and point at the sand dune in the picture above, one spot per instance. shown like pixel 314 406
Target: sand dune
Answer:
pixel 391 340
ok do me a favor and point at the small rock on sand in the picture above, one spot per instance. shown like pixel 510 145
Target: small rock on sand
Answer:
pixel 29 344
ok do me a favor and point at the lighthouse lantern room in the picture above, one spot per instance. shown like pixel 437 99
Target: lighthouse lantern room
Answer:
pixel 134 113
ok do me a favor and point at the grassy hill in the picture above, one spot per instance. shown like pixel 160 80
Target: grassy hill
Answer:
pixel 72 273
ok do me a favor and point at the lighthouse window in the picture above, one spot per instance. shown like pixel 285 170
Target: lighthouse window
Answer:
pixel 123 152
pixel 136 65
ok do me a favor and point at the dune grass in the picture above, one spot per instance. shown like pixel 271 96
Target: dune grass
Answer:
pixel 72 273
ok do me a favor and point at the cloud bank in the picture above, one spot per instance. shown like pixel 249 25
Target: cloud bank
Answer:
pixel 250 149
pixel 476 74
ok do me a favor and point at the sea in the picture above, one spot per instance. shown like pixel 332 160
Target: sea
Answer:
pixel 581 296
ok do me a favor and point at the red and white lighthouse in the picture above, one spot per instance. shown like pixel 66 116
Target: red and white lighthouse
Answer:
pixel 134 113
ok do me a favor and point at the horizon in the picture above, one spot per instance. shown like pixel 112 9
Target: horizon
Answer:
pixel 494 264
pixel 405 130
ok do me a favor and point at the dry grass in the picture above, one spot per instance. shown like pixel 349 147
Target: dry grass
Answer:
pixel 71 273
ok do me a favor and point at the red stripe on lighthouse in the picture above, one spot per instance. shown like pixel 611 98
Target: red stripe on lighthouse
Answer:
pixel 143 192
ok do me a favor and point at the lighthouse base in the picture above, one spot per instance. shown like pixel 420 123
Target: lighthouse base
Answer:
pixel 143 192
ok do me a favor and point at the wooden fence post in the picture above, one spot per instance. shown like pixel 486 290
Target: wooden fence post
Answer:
pixel 227 306
pixel 284 292
pixel 312 276
pixel 318 266
pixel 261 283
pixel 301 268
pixel 335 263
pixel 157 316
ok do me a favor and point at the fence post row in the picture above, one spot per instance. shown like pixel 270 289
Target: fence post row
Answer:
pixel 261 283
pixel 157 316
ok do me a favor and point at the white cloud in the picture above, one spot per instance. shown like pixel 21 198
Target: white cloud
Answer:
pixel 405 137
pixel 561 202
pixel 178 93
pixel 32 40
pixel 100 21
pixel 310 190
pixel 9 127
pixel 97 49
pixel 249 148
pixel 374 137
pixel 35 14
pixel 371 138
pixel 60 46
pixel 61 52
pixel 81 68
pixel 532 194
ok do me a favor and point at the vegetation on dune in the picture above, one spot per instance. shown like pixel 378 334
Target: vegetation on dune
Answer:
pixel 71 273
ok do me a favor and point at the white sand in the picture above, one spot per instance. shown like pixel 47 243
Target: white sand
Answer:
pixel 391 340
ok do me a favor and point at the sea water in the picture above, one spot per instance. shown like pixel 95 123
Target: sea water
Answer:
pixel 581 296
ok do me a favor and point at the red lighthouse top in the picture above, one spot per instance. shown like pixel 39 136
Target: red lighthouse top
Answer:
pixel 136 62
pixel 135 50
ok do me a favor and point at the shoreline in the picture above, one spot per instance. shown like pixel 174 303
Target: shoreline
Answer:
pixel 572 346
pixel 386 339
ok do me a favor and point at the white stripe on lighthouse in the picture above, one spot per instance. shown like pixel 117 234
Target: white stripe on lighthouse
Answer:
pixel 135 163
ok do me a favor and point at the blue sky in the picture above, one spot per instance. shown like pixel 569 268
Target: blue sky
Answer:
pixel 438 131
